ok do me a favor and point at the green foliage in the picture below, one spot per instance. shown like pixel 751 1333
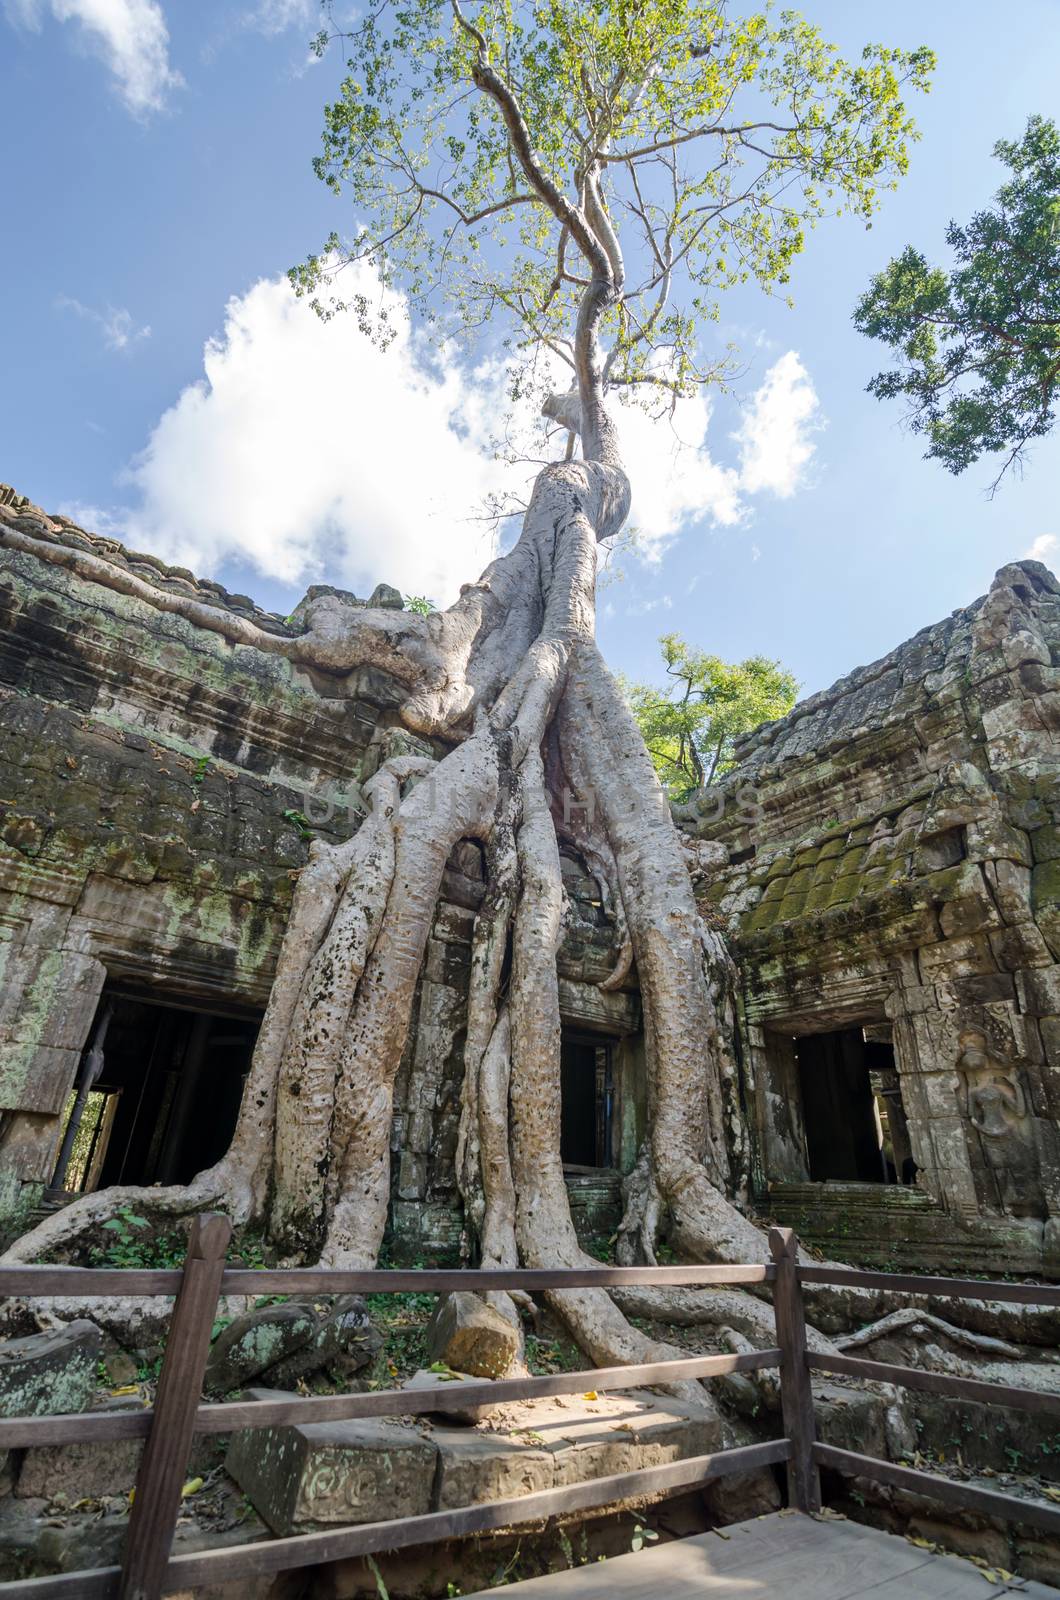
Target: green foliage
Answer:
pixel 301 822
pixel 707 142
pixel 545 1356
pixel 380 1587
pixel 689 726
pixel 202 766
pixel 420 604
pixel 131 1242
pixel 402 1320
pixel 979 346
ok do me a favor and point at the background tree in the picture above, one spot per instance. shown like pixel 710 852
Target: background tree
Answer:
pixel 591 174
pixel 979 345
pixel 689 726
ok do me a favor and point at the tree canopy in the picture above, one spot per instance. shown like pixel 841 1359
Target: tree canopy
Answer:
pixel 501 159
pixel 689 726
pixel 979 345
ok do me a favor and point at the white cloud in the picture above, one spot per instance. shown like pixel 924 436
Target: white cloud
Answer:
pixel 775 435
pixel 115 324
pixel 130 36
pixel 680 484
pixel 675 479
pixel 305 452
pixel 1043 547
pixel 276 16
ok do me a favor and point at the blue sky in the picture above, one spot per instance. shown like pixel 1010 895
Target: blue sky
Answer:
pixel 159 173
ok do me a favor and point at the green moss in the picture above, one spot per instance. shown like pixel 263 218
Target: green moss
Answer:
pixel 1046 843
pixel 1045 885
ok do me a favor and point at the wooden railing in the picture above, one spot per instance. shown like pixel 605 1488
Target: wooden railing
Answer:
pixel 150 1570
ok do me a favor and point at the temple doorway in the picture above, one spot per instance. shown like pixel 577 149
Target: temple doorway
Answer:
pixel 159 1101
pixel 852 1111
pixel 587 1100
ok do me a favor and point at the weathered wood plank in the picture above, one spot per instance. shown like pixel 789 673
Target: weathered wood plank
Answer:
pixel 997 1394
pixel 1009 1507
pixel 796 1392
pixel 102 1282
pixel 74 1427
pixel 337 1544
pixel 155 1508
pixel 229 1415
pixel 1024 1294
pixel 86 1282
pixel 324 1280
pixel 102 1584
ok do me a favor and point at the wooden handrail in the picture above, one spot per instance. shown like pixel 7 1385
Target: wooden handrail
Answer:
pixel 991 1394
pixel 117 1282
pixel 1023 1294
pixel 149 1571
pixel 992 1502
pixel 78 1427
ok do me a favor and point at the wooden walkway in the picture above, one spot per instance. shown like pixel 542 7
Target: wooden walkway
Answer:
pixel 787 1555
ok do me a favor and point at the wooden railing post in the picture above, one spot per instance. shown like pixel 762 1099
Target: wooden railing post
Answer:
pixel 156 1503
pixel 796 1393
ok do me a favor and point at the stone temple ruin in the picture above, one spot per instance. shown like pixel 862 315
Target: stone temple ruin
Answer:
pixel 885 861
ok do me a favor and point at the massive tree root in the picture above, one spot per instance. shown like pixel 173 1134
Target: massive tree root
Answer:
pixel 511 677
pixel 542 745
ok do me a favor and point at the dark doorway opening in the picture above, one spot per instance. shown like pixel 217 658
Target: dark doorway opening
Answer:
pixel 856 1130
pixel 587 1100
pixel 164 1101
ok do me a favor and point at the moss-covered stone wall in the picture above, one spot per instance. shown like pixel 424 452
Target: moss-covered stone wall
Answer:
pixel 886 856
pixel 159 788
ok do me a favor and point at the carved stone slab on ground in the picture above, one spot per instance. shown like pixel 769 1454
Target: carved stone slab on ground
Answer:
pixel 298 1478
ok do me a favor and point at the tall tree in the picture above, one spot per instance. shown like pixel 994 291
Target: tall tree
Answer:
pixel 690 724
pixel 593 174
pixel 979 344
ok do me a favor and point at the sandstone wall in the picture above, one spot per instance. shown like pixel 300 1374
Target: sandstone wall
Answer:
pixel 889 853
pixel 158 791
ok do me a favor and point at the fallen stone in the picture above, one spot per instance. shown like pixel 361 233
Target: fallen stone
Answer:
pixel 257 1341
pixel 343 1344
pixel 623 1433
pixel 470 1336
pixel 449 1384
pixel 474 1467
pixel 79 1471
pixel 323 1473
pixel 31 1548
pixel 49 1373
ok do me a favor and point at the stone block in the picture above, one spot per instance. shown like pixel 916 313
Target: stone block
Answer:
pixel 326 1473
pixel 1020 946
pixel 1046 843
pixel 474 1467
pixel 79 1471
pixel 343 1343
pixel 957 958
pixel 1045 900
pixel 449 1384
pixel 257 1341
pixel 623 1433
pixel 1039 991
pixel 470 1336
pixel 993 839
pixel 47 1374
pixel 1011 886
